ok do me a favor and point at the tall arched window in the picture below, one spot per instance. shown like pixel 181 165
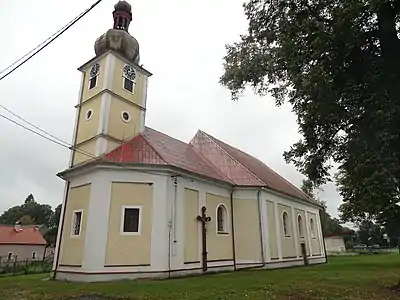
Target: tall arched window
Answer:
pixel 300 225
pixel 222 219
pixel 312 227
pixel 285 220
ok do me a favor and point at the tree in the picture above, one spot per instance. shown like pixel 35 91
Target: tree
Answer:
pixel 51 235
pixel 336 62
pixel 26 220
pixel 40 214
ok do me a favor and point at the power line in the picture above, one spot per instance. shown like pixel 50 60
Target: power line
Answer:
pixel 38 46
pixel 48 41
pixel 33 125
pixel 45 137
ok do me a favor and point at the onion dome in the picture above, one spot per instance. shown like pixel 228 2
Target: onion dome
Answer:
pixel 118 38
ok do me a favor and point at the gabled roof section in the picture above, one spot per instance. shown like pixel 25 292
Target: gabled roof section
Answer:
pixel 247 169
pixel 156 148
pixel 25 236
pixel 136 150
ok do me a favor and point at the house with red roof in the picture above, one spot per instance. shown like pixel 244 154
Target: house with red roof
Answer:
pixel 21 243
pixel 140 203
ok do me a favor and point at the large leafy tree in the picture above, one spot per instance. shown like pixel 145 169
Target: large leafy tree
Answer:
pixel 337 63
pixel 28 213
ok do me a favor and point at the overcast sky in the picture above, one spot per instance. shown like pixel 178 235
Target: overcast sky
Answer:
pixel 181 43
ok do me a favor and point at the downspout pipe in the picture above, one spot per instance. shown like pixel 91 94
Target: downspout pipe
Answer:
pixel 261 227
pixel 172 224
pixel 233 230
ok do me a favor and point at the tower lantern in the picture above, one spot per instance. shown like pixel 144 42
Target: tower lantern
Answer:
pixel 122 15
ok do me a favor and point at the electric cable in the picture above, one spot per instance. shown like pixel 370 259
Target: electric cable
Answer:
pixel 48 41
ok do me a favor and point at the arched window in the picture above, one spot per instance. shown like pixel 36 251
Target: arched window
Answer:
pixel 222 219
pixel 312 227
pixel 285 219
pixel 300 225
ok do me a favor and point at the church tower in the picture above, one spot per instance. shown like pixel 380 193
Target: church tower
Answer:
pixel 112 98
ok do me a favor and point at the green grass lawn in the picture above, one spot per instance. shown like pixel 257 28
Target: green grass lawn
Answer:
pixel 363 277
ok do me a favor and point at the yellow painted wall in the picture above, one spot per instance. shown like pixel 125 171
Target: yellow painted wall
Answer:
pixel 192 226
pixel 88 129
pixel 302 239
pixel 87 94
pixel 73 247
pixel 315 242
pixel 247 230
pixel 288 242
pixel 119 129
pixel 117 86
pixel 273 246
pixel 85 149
pixel 129 250
pixel 219 245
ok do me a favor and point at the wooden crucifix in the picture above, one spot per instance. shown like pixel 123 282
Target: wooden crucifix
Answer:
pixel 204 219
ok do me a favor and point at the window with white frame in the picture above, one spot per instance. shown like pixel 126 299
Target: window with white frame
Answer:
pixel 312 228
pixel 131 220
pixel 300 225
pixel 93 75
pixel 129 77
pixel 222 219
pixel 285 220
pixel 77 223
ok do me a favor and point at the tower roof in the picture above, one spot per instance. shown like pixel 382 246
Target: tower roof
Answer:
pixel 123 6
pixel 118 38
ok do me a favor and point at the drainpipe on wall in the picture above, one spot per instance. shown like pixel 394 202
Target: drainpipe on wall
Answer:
pixel 233 231
pixel 62 221
pixel 261 229
pixel 172 224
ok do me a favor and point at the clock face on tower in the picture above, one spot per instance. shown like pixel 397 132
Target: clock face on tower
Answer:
pixel 129 73
pixel 95 70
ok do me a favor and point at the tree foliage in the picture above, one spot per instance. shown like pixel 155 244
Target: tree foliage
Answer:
pixel 337 63
pixel 34 213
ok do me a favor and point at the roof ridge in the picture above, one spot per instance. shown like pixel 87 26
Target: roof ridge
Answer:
pixel 168 136
pixel 152 147
pixel 210 138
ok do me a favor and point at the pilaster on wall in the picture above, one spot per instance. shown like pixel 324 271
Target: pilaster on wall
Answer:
pixel 278 230
pixel 320 234
pixel 295 231
pixel 264 228
pixel 97 223
pixel 308 234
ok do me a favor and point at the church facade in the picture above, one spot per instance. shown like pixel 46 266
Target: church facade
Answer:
pixel 139 203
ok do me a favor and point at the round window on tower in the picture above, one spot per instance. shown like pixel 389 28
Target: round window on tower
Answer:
pixel 89 114
pixel 126 117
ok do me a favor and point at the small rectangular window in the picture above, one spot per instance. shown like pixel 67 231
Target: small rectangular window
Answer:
pixel 128 85
pixel 33 255
pixel 9 256
pixel 76 225
pixel 131 220
pixel 92 82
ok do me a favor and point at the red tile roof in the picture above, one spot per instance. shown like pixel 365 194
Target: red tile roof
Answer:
pixel 26 236
pixel 204 155
pixel 258 169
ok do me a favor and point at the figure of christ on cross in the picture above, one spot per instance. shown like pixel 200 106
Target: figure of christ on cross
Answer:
pixel 204 219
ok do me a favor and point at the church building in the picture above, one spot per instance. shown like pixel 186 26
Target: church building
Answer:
pixel 141 204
